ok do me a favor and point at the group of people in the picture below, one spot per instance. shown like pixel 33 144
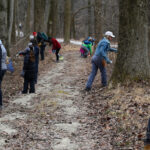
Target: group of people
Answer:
pixel 99 58
pixel 36 46
pixel 31 59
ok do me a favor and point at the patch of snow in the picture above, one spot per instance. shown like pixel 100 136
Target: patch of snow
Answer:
pixel 70 128
pixel 7 129
pixel 65 144
pixel 13 116
pixel 2 142
pixel 70 110
pixel 75 42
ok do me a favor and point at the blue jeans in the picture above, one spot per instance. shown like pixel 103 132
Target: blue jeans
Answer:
pixel 97 64
pixel 1 101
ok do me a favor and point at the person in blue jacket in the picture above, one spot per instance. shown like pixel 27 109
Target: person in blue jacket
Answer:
pixel 29 69
pixel 99 60
pixel 36 53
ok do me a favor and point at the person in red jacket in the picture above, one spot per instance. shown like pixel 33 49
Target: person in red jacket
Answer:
pixel 55 46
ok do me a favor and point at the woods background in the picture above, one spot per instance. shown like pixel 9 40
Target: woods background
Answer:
pixel 85 18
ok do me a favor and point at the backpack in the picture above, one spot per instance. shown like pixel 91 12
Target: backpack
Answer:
pixel 41 36
pixel 31 55
pixel 44 36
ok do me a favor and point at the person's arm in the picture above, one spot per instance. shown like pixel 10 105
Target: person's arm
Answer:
pixel 104 54
pixel 113 50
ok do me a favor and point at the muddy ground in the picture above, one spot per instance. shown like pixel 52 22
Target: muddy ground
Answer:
pixel 62 116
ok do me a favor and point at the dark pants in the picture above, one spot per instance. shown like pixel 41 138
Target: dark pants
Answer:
pixel 36 72
pixel 97 64
pixel 3 73
pixel 57 54
pixel 42 49
pixel 26 85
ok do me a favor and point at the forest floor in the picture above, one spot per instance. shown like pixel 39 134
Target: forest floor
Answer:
pixel 62 116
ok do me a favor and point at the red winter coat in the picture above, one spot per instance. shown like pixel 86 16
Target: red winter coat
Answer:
pixel 56 44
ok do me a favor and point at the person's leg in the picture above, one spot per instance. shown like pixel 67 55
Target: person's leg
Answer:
pixel 103 74
pixel 42 53
pixel 1 101
pixel 32 86
pixel 25 87
pixel 92 76
pixel 36 72
pixel 57 56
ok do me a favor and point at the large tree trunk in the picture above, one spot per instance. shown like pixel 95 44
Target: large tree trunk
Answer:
pixel 28 17
pixel 67 21
pixel 13 33
pixel 3 22
pixel 10 19
pixel 39 9
pixel 132 62
pixel 52 21
pixel 89 19
pixel 98 20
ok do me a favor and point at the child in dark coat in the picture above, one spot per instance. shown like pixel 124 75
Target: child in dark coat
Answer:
pixel 29 69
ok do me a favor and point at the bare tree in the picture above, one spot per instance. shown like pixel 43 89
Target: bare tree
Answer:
pixel 98 22
pixel 132 62
pixel 39 9
pixel 67 20
pixel 53 16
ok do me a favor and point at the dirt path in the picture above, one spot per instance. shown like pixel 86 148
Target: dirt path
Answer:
pixel 55 118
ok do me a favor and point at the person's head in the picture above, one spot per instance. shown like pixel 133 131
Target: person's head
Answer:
pixel 31 37
pixel 34 34
pixel 109 35
pixel 30 45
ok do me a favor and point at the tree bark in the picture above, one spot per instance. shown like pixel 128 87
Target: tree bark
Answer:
pixel 52 21
pixel 98 20
pixel 3 22
pixel 67 21
pixel 39 7
pixel 89 19
pixel 132 62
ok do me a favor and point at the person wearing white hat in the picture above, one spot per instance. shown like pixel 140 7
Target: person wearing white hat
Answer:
pixel 100 59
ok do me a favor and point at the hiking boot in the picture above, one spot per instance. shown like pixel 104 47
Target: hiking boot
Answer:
pixel 87 89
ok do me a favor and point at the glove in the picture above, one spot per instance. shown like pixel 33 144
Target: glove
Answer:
pixel 109 62
pixel 17 55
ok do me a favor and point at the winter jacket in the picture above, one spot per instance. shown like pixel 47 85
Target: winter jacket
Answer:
pixel 88 45
pixel 56 44
pixel 29 68
pixel 36 53
pixel 103 48
pixel 4 55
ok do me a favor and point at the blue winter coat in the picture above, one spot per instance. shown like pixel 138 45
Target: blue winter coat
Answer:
pixel 103 48
pixel 29 68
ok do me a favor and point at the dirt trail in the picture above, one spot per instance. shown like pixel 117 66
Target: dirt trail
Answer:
pixel 55 117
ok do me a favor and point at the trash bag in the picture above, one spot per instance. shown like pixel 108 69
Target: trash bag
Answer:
pixel 10 66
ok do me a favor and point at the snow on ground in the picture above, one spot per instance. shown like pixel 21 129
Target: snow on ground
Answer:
pixel 75 42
